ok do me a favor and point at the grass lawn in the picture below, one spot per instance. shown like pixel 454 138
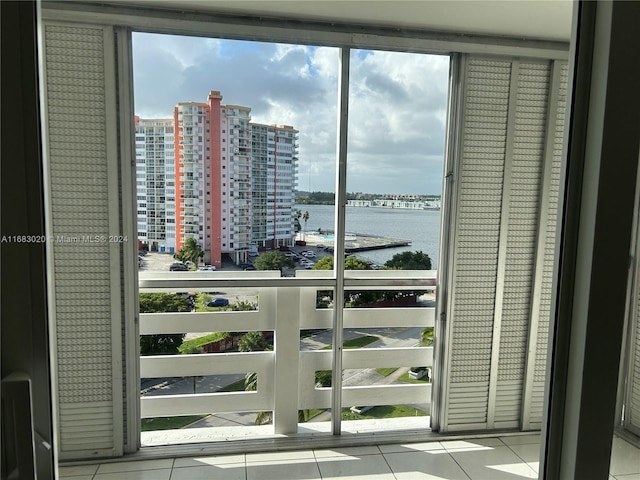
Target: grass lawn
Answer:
pixel 168 423
pixel 357 342
pixel 237 386
pixel 384 411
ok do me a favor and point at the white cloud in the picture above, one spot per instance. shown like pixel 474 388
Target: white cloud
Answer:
pixel 397 103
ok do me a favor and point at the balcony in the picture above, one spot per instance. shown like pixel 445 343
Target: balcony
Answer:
pixel 287 306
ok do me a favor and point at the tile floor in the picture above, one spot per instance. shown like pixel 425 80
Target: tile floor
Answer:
pixel 499 458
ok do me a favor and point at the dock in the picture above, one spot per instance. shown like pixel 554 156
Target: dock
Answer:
pixel 355 242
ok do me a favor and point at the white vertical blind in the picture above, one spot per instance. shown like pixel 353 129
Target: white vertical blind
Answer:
pixel 477 235
pixel 496 236
pixel 526 155
pixel 80 166
pixel 533 401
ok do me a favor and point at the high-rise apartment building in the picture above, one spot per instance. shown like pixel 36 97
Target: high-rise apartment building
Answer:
pixel 155 195
pixel 274 173
pixel 191 155
pixel 230 179
pixel 234 180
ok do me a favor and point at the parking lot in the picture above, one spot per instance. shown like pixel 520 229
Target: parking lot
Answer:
pixel 160 262
pixel 156 262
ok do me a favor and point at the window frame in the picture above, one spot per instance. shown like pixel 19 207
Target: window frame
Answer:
pixel 126 20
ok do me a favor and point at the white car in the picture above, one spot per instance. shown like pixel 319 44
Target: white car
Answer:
pixel 308 254
pixel 207 268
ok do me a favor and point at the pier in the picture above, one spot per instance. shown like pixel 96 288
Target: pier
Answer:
pixel 355 242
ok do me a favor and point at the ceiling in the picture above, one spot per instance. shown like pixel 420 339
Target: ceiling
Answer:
pixel 530 19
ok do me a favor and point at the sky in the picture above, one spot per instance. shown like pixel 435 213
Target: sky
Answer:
pixel 397 103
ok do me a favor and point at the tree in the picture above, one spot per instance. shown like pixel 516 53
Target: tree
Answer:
pixel 242 306
pixel 325 263
pixel 426 337
pixel 323 378
pixel 409 261
pixel 273 261
pixel 350 263
pixel 251 342
pixel 191 251
pixel 162 344
pixel 296 219
pixel 354 298
pixel 305 217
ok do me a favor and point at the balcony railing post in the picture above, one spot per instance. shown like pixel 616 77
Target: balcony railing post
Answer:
pixel 287 350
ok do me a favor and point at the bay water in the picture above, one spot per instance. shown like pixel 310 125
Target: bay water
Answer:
pixel 421 227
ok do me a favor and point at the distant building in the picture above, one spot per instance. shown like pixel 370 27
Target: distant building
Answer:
pixel 155 195
pixel 396 203
pixel 230 185
pixel 192 124
pixel 230 180
pixel 274 173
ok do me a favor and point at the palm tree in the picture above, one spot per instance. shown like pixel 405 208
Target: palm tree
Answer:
pixel 296 219
pixel 305 217
pixel 191 251
pixel 251 342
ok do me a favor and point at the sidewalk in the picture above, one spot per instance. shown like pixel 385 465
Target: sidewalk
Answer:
pixel 323 339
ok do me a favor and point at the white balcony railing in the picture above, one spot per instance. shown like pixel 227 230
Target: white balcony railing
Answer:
pixel 285 306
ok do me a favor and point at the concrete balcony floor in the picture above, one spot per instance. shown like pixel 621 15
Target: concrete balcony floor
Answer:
pixel 491 458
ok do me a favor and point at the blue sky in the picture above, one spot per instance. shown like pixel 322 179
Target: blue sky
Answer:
pixel 397 106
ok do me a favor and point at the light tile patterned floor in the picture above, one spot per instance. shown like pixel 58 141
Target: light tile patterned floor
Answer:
pixel 500 458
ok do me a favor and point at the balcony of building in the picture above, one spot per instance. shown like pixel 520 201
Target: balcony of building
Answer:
pixel 287 307
pixel 189 213
pixel 189 185
pixel 393 448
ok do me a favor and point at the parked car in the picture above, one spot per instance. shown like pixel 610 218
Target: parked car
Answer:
pixel 178 267
pixel 417 373
pixel 218 302
pixel 207 268
pixel 360 409
pixel 308 254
